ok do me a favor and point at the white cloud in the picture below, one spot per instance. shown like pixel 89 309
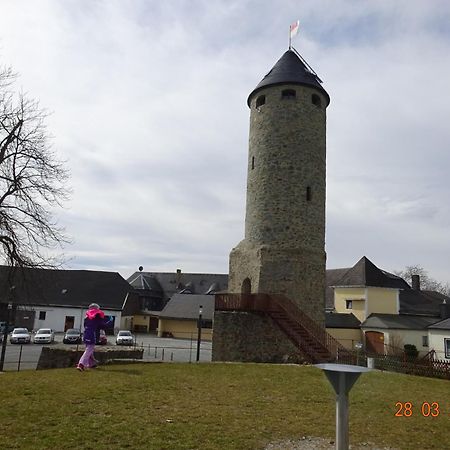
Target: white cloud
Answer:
pixel 149 108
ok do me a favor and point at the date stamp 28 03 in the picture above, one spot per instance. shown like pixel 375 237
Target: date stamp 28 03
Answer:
pixel 426 409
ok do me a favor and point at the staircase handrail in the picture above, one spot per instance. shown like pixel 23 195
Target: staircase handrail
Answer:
pixel 267 303
pixel 317 331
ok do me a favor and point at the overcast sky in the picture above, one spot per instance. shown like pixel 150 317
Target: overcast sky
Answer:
pixel 148 102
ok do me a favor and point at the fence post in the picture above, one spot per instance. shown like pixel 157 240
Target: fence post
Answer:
pixel 20 357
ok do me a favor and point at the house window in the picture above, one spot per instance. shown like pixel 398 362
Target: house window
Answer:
pixel 348 304
pixel 253 162
pixel 42 315
pixel 261 100
pixel 308 194
pixel 288 94
pixel 447 348
pixel 424 341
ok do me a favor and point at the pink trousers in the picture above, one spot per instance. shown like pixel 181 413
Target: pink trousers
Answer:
pixel 87 358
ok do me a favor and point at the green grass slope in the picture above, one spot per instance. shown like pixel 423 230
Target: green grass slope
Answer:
pixel 211 406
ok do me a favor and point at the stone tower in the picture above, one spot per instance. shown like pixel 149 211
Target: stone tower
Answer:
pixel 283 251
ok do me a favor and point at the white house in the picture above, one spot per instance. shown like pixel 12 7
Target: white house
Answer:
pixel 58 299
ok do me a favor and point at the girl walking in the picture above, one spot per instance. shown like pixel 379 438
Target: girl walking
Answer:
pixel 94 321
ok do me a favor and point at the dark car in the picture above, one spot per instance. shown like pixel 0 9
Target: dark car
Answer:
pixel 72 336
pixel 3 325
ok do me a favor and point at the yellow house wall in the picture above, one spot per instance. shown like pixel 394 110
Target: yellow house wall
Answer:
pixel 125 322
pixel 140 320
pixel 366 301
pixel 357 295
pixel 436 338
pixel 346 336
pixel 382 301
pixel 183 329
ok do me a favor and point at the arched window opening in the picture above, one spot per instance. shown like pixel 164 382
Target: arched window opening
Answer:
pixel 308 194
pixel 288 94
pixel 316 100
pixel 261 100
pixel 246 286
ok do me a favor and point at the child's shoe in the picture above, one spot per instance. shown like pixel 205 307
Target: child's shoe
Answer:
pixel 80 367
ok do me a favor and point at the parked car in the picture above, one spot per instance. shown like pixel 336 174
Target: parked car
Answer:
pixel 20 336
pixel 103 340
pixel 124 337
pixel 72 336
pixel 44 336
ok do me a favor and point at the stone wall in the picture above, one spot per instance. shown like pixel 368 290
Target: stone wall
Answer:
pixel 251 337
pixel 62 357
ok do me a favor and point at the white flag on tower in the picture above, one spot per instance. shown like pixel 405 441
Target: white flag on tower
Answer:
pixel 294 28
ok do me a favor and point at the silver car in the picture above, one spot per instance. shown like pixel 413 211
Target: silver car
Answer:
pixel 124 337
pixel 44 336
pixel 20 336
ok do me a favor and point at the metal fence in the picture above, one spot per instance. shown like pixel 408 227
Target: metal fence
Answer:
pixel 25 357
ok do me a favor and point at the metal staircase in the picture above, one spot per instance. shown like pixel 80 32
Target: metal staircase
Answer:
pixel 308 336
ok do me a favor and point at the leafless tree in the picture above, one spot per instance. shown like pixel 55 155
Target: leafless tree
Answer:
pixel 32 182
pixel 427 283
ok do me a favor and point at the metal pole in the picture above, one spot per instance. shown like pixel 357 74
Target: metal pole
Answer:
pixel 20 357
pixel 199 328
pixel 342 415
pixel 5 338
pixel 5 335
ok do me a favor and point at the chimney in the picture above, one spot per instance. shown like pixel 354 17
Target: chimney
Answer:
pixel 415 281
pixel 444 310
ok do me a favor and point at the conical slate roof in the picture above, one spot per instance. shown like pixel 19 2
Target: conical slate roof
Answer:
pixel 290 69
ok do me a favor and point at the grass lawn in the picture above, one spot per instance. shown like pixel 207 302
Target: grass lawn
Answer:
pixel 210 406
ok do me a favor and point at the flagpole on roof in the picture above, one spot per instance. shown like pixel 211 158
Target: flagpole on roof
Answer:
pixel 293 29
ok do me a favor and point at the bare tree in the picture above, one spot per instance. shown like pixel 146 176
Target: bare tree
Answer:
pixel 427 283
pixel 32 182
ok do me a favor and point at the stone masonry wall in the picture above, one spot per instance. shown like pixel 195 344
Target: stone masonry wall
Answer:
pixel 251 337
pixel 284 246
pixel 60 357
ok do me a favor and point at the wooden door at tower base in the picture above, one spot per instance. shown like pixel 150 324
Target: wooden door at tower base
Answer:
pixel 374 342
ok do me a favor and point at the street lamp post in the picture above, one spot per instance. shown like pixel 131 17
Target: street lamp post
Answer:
pixel 199 328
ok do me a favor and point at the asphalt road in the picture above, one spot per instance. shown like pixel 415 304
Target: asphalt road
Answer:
pixel 25 357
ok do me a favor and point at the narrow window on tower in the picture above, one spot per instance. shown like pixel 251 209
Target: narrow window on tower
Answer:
pixel 308 193
pixel 288 94
pixel 261 100
pixel 253 162
pixel 315 99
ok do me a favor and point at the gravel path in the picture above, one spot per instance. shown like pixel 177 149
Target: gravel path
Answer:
pixel 315 443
